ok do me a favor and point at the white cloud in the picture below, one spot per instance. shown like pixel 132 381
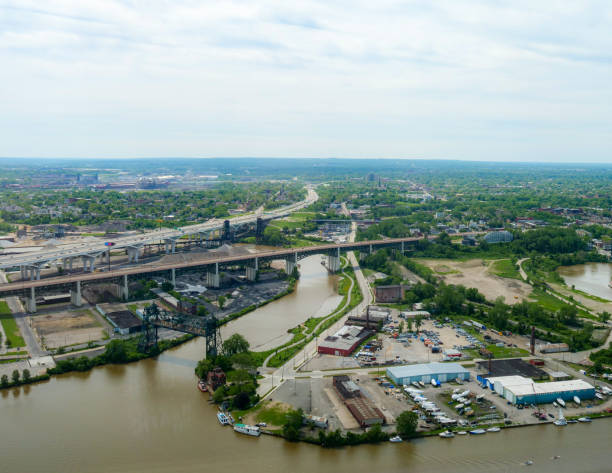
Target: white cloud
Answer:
pixel 518 80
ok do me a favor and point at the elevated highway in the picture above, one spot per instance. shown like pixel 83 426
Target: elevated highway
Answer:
pixel 32 262
pixel 209 265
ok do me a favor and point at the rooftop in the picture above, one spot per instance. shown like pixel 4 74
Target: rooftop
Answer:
pixel 425 369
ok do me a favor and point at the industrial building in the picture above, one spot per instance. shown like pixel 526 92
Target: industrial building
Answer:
pixel 510 367
pixel 520 390
pixel 425 372
pixel 372 317
pixel 124 322
pixel 344 341
pixel 362 409
pixel 393 293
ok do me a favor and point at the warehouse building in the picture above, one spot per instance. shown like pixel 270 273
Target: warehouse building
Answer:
pixel 425 372
pixel 361 407
pixel 520 390
pixel 124 322
pixel 344 341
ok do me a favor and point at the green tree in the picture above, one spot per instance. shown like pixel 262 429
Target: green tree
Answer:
pixel 235 344
pixel 221 301
pixel 293 424
pixel 4 381
pixel 604 317
pixel 407 423
pixel 167 286
pixel 203 367
pixel 115 352
pixel 202 311
pixel 26 375
pixel 418 321
pixel 15 376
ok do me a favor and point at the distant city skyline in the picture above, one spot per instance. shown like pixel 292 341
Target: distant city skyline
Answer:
pixel 460 80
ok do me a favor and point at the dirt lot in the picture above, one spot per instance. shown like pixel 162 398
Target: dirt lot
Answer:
pixel 475 273
pixel 67 328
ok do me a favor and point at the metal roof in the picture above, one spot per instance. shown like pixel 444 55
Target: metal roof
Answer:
pixel 549 388
pixel 423 369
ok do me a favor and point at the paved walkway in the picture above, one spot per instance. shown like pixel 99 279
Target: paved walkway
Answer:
pixel 23 322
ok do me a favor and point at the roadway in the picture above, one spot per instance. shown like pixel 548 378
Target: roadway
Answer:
pixel 87 248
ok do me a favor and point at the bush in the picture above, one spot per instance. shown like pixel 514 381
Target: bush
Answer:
pixel 15 376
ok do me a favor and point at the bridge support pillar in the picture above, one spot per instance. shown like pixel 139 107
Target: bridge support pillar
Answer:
pixel 23 272
pixel 31 302
pixel 333 261
pixel 403 247
pixel 126 293
pixel 169 245
pixel 132 253
pixel 173 278
pixel 89 263
pixel 291 263
pixel 371 249
pixel 251 271
pixel 75 296
pixel 212 279
pixel 70 264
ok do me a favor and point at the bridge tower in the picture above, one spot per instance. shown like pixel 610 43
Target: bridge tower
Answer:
pixel 213 337
pixel 148 339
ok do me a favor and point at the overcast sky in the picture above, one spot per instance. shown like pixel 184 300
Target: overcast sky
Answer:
pixel 480 80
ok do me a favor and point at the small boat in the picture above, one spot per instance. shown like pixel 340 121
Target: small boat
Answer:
pixel 434 383
pixel 247 429
pixel 584 419
pixel 478 432
pixel 561 402
pixel 599 396
pixel 480 397
pixel 416 385
pixel 446 435
pixel 560 419
pixel 395 439
pixel 202 386
pixel 493 429
pixel 573 421
pixel 529 462
pixel 462 432
pixel 555 404
pixel 223 419
pixel 577 400
pixel 422 384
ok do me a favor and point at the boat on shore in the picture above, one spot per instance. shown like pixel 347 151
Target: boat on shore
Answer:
pixel 493 429
pixel 577 400
pixel 223 419
pixel 395 439
pixel 446 435
pixel 478 432
pixel 561 402
pixel 584 419
pixel 462 432
pixel 560 419
pixel 202 386
pixel 246 429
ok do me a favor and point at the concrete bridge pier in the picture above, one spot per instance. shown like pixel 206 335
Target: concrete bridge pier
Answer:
pixel 169 245
pixel 212 279
pixel 291 263
pixel 132 253
pixel 75 296
pixel 125 292
pixel 251 271
pixel 34 273
pixel 333 261
pixel 89 263
pixel 31 302
pixel 173 270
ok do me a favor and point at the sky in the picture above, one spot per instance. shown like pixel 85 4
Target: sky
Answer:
pixel 488 80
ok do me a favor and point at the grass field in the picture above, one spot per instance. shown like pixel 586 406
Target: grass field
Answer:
pixel 10 326
pixel 507 352
pixel 505 268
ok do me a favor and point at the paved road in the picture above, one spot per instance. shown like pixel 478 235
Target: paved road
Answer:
pixel 23 322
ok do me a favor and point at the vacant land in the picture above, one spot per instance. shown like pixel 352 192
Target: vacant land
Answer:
pixel 13 335
pixel 476 273
pixel 504 268
pixel 67 328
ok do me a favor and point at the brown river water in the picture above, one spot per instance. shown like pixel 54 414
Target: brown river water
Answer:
pixel 592 278
pixel 150 417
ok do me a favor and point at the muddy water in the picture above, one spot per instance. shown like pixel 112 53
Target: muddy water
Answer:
pixel 149 417
pixel 315 295
pixel 592 278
